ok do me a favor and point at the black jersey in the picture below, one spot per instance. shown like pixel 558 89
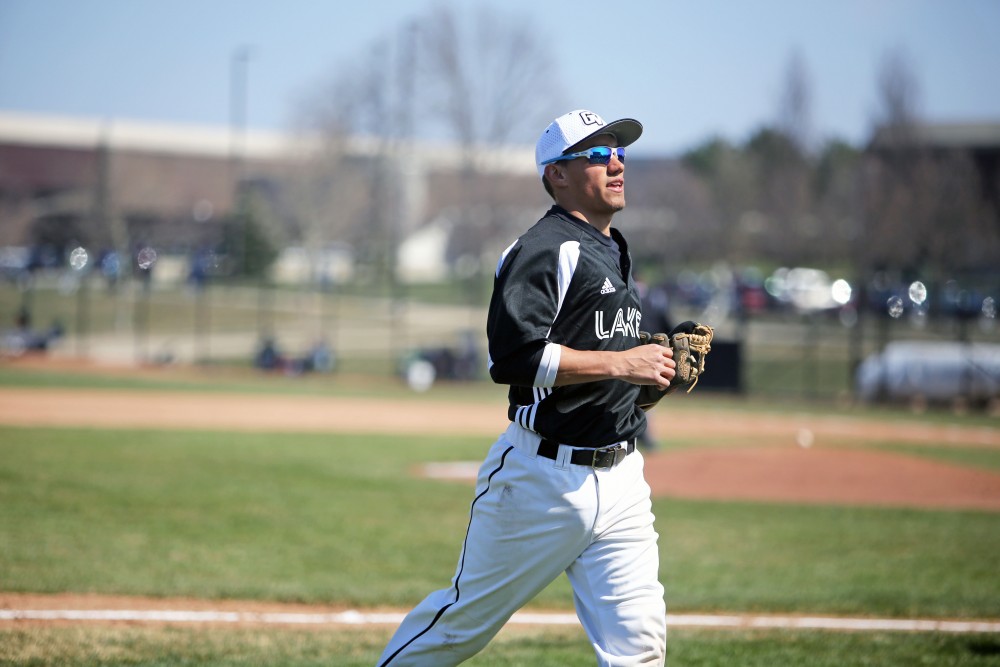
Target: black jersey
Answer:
pixel 564 283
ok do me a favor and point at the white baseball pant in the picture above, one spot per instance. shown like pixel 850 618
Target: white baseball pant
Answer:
pixel 533 518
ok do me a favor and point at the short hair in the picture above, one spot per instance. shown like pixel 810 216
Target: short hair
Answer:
pixel 548 186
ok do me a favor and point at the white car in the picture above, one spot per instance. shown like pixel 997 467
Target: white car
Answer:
pixel 935 372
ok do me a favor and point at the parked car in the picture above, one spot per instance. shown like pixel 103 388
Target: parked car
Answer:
pixel 804 289
pixel 936 372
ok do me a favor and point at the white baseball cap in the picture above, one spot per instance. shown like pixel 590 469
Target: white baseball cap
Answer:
pixel 572 128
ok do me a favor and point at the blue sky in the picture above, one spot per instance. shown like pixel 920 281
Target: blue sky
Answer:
pixel 688 70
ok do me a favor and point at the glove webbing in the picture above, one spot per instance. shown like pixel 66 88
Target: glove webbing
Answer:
pixel 701 345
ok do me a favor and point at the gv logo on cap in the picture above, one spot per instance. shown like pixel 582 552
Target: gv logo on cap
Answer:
pixel 590 118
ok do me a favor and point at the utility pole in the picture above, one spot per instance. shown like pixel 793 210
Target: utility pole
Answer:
pixel 237 138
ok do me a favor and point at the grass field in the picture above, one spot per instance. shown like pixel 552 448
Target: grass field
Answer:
pixel 285 517
pixel 173 647
pixel 340 518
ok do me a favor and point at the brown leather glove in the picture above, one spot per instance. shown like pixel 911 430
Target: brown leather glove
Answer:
pixel 691 343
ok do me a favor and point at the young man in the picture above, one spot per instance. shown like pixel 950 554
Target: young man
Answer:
pixel 562 489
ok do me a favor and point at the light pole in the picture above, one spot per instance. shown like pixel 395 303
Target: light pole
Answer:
pixel 239 66
pixel 239 115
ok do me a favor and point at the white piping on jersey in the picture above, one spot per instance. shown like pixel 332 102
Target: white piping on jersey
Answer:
pixel 548 366
pixel 569 256
pixel 503 256
pixel 525 416
pixel 496 274
pixel 540 393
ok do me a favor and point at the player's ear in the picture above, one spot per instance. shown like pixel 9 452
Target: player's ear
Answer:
pixel 556 174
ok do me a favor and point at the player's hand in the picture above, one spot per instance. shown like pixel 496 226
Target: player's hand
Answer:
pixel 649 365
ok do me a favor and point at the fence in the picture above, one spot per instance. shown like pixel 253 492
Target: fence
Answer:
pixel 368 330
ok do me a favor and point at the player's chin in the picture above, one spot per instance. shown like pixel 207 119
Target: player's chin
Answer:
pixel 614 200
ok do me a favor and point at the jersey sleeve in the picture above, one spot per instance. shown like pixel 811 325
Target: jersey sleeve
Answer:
pixel 528 288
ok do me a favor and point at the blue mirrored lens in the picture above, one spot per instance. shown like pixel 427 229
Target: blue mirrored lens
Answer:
pixel 602 154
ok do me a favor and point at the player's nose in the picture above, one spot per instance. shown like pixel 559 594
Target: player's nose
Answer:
pixel 615 166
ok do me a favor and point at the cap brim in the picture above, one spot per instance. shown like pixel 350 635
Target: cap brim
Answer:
pixel 625 130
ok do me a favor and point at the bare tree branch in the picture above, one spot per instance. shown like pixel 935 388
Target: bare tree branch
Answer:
pixel 487 74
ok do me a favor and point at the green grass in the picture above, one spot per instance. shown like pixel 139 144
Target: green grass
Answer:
pixel 216 515
pixel 97 646
pixel 971 457
pixel 789 375
pixel 341 518
pixel 701 648
pixel 321 518
pixel 841 560
pixel 245 380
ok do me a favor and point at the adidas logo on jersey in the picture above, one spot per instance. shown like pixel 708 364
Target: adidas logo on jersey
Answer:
pixel 607 288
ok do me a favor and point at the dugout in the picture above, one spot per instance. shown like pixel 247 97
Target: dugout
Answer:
pixel 724 368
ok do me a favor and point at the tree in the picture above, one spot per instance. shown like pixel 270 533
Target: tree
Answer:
pixel 473 78
pixel 784 195
pixel 328 195
pixel 925 206
pixel 730 177
pixel 671 217
pixel 488 76
pixel 897 115
pixel 490 79
pixel 900 181
pixel 246 237
pixel 795 104
pixel 837 195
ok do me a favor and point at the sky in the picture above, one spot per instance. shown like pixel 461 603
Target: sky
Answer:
pixel 688 70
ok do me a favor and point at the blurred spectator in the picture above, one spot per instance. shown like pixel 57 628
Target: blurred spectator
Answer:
pixel 752 298
pixel 200 264
pixel 320 358
pixel 460 362
pixel 110 268
pixel 268 358
pixel 23 339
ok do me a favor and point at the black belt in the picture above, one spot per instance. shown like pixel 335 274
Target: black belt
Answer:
pixel 603 457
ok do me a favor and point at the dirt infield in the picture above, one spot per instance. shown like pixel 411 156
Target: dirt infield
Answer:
pixel 822 476
pixel 748 456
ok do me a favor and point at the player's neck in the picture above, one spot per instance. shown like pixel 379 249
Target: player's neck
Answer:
pixel 601 223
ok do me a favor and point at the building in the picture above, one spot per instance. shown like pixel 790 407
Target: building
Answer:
pixel 66 182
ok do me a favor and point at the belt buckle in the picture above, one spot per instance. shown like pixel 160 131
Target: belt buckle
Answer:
pixel 616 452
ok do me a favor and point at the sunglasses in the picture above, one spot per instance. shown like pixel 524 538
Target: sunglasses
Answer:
pixel 595 155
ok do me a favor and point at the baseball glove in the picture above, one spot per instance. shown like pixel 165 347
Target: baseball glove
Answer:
pixel 691 343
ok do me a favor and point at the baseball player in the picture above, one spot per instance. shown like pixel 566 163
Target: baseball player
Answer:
pixel 562 489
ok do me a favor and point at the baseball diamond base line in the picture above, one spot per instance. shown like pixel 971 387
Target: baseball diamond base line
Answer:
pixel 351 617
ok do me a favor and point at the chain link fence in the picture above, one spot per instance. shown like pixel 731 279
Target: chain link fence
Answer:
pixel 369 329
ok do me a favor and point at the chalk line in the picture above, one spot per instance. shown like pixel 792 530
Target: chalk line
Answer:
pixel 351 617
